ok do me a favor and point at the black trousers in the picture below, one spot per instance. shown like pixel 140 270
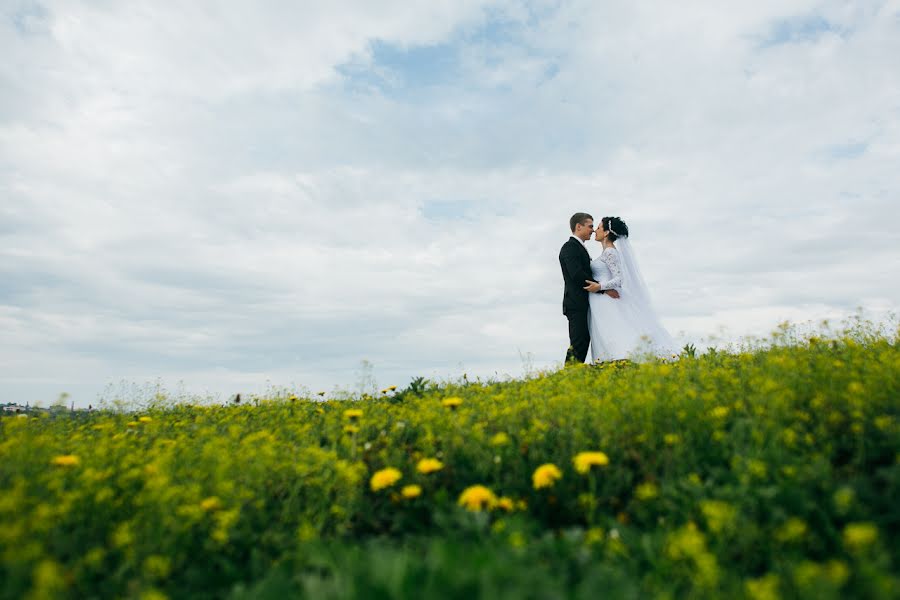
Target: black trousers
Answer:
pixel 579 336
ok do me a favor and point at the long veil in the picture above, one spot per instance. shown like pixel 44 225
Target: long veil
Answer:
pixel 637 295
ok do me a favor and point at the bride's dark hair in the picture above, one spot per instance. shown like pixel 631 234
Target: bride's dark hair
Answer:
pixel 615 226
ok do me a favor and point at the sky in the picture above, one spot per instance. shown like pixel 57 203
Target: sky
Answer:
pixel 209 198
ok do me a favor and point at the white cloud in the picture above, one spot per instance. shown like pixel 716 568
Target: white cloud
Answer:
pixel 211 195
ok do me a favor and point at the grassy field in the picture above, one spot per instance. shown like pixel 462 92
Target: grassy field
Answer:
pixel 772 472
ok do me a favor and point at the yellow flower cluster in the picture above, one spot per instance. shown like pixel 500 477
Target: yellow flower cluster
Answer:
pixel 693 439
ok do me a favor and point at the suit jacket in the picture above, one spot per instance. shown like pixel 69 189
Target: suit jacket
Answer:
pixel 576 267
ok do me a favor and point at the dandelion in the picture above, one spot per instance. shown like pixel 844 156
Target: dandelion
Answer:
pixel 646 491
pixel 884 422
pixel 392 388
pixel 843 499
pixel 132 424
pixel 763 588
pixel 385 478
pixel 499 439
pixel 411 491
pixel 157 566
pixel 594 535
pixel 352 413
pixel 351 429
pixel 583 461
pixel 719 412
pixel 545 476
pixel 506 503
pixel 210 504
pixel 145 419
pixel 452 402
pixel 792 530
pixel 429 465
pixel 477 498
pixel 859 535
pixel 719 515
pixel 66 460
pixel 671 439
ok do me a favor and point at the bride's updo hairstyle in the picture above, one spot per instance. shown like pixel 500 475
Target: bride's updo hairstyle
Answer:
pixel 615 226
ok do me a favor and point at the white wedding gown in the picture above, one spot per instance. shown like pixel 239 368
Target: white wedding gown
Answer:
pixel 628 326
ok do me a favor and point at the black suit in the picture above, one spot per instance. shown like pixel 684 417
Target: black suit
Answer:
pixel 576 268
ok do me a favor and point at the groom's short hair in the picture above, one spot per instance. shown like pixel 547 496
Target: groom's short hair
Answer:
pixel 579 219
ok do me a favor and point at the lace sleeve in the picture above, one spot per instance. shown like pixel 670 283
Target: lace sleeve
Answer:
pixel 611 258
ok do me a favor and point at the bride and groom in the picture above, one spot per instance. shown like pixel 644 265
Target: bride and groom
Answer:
pixel 606 300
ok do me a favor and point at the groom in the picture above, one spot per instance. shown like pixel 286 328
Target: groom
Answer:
pixel 576 269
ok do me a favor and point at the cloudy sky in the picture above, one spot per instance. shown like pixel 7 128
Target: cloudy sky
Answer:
pixel 222 197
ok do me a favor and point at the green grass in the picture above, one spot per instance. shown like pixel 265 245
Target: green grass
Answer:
pixel 768 472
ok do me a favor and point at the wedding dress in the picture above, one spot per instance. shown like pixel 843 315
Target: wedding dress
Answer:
pixel 628 326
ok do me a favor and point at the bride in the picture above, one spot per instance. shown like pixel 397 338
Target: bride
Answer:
pixel 627 327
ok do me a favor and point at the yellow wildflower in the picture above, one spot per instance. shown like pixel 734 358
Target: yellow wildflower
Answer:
pixel 210 504
pixel 720 515
pixel 792 530
pixel 477 497
pixel 594 535
pixel 392 388
pixel 153 594
pixel 671 439
pixel 763 588
pixel 351 429
pixel 499 439
pixel 843 499
pixel 157 566
pixel 352 413
pixel 66 460
pixel 452 402
pixel 884 422
pixel 429 465
pixel 506 504
pixel 385 478
pixel 583 461
pixel 132 424
pixel 719 412
pixel 411 491
pixel 859 535
pixel 646 491
pixel 545 476
pixel 837 572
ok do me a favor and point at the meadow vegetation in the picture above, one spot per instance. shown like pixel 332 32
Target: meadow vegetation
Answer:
pixel 765 472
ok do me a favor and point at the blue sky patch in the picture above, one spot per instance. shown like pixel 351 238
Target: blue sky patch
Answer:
pixel 847 151
pixel 798 29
